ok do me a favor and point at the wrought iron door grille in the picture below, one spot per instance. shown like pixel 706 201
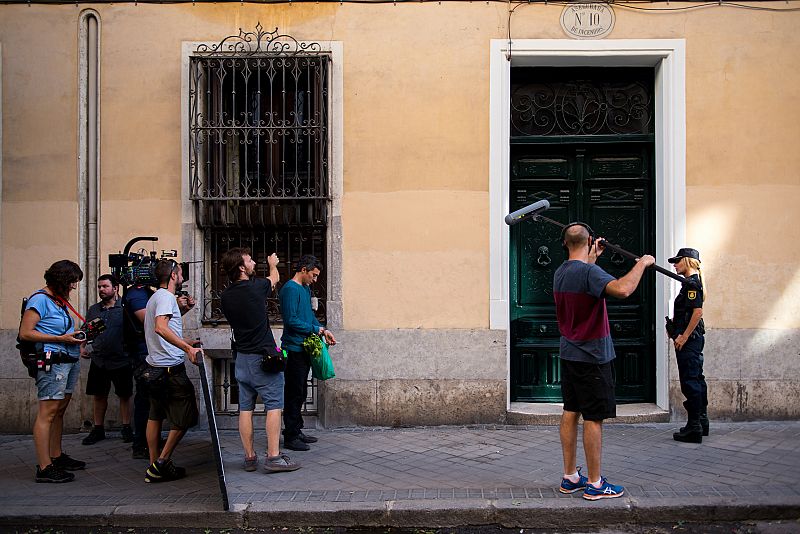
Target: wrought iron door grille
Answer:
pixel 552 101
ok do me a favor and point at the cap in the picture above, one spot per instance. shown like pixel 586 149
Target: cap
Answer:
pixel 685 253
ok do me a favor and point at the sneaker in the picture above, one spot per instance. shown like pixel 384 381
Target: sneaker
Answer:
pixel 66 463
pixel 296 444
pixel 174 471
pixel 98 433
pixel 51 473
pixel 307 439
pixel 140 453
pixel 163 471
pixel 276 464
pixel 568 486
pixel 126 433
pixel 250 464
pixel 605 491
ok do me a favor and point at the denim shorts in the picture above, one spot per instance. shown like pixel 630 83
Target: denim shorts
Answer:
pixel 253 381
pixel 59 381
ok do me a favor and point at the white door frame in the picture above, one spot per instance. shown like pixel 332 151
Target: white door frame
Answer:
pixel 668 57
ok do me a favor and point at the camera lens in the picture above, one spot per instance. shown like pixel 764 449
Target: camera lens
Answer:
pixel 80 335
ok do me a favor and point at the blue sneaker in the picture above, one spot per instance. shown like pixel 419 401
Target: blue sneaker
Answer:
pixel 605 491
pixel 568 486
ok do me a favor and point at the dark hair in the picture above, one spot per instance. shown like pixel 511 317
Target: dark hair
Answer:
pixel 308 262
pixel 110 277
pixel 233 259
pixel 61 274
pixel 164 269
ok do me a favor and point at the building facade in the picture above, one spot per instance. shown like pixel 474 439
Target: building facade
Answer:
pixel 390 139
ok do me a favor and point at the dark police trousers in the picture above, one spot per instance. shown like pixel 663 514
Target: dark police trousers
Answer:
pixel 295 390
pixel 690 371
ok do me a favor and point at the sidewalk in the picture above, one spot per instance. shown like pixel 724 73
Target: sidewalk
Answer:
pixel 438 476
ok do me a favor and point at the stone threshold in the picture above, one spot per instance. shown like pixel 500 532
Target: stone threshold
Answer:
pixel 549 413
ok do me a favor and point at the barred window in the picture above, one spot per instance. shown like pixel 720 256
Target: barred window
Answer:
pixel 258 159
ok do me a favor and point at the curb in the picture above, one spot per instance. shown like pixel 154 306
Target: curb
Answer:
pixel 509 513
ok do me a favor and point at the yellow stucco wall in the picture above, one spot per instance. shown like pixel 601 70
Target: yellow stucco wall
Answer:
pixel 416 134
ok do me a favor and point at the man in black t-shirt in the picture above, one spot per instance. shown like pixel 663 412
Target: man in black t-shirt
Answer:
pixel 244 303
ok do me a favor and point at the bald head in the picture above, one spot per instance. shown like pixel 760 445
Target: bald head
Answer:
pixel 576 237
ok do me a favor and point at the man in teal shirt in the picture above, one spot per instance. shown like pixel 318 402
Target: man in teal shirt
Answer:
pixel 298 323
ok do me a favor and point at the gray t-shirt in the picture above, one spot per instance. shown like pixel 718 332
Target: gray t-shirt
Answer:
pixel 159 352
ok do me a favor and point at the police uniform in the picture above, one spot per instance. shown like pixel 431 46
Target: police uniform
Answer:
pixel 690 356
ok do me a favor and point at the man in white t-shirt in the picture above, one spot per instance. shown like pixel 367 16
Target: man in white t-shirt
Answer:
pixel 172 395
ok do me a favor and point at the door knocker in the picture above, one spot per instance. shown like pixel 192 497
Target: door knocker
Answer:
pixel 544 257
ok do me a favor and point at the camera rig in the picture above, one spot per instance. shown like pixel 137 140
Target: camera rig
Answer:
pixel 139 267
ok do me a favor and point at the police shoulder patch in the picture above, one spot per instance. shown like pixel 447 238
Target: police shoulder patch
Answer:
pixel 692 295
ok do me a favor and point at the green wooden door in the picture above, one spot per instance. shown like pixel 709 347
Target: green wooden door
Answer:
pixel 609 185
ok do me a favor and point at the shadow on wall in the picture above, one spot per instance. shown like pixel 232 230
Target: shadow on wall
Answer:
pixel 752 374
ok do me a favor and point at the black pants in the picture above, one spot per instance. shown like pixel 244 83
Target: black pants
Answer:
pixel 295 389
pixel 141 412
pixel 690 371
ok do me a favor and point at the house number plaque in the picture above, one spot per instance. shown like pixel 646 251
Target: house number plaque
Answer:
pixel 587 20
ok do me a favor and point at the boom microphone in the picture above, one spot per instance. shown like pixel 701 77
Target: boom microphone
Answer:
pixel 531 210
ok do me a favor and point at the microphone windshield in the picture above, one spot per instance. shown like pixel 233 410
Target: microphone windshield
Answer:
pixel 528 211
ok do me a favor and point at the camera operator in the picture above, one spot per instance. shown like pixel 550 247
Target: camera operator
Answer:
pixel 109 362
pixel 47 321
pixel 134 303
pixel 259 363
pixel 172 395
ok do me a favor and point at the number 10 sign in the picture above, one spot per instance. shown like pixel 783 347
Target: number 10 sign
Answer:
pixel 587 20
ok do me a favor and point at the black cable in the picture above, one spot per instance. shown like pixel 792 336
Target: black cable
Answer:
pixel 623 4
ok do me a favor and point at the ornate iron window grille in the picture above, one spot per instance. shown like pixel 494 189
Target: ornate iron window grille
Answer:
pixel 289 243
pixel 259 152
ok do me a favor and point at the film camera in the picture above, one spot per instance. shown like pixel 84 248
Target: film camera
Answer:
pixel 90 330
pixel 138 267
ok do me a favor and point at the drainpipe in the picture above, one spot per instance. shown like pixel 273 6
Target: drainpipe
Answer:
pixel 93 178
pixel 89 156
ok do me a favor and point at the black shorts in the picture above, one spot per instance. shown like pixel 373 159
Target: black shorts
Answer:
pixel 100 379
pixel 588 388
pixel 174 400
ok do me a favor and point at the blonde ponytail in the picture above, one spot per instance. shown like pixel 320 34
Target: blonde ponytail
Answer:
pixel 694 264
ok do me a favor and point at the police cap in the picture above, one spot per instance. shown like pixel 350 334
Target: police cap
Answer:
pixel 685 253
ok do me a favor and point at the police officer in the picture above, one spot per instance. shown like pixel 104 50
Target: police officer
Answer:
pixel 687 332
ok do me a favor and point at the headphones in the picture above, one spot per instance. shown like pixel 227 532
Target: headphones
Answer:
pixel 570 225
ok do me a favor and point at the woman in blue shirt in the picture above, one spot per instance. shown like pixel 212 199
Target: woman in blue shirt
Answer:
pixel 46 321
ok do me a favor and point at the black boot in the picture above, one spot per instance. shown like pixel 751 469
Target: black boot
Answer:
pixel 704 422
pixel 691 433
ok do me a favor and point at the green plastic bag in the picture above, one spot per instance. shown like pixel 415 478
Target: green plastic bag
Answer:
pixel 321 364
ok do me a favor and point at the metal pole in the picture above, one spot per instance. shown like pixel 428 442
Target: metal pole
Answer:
pixel 620 250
